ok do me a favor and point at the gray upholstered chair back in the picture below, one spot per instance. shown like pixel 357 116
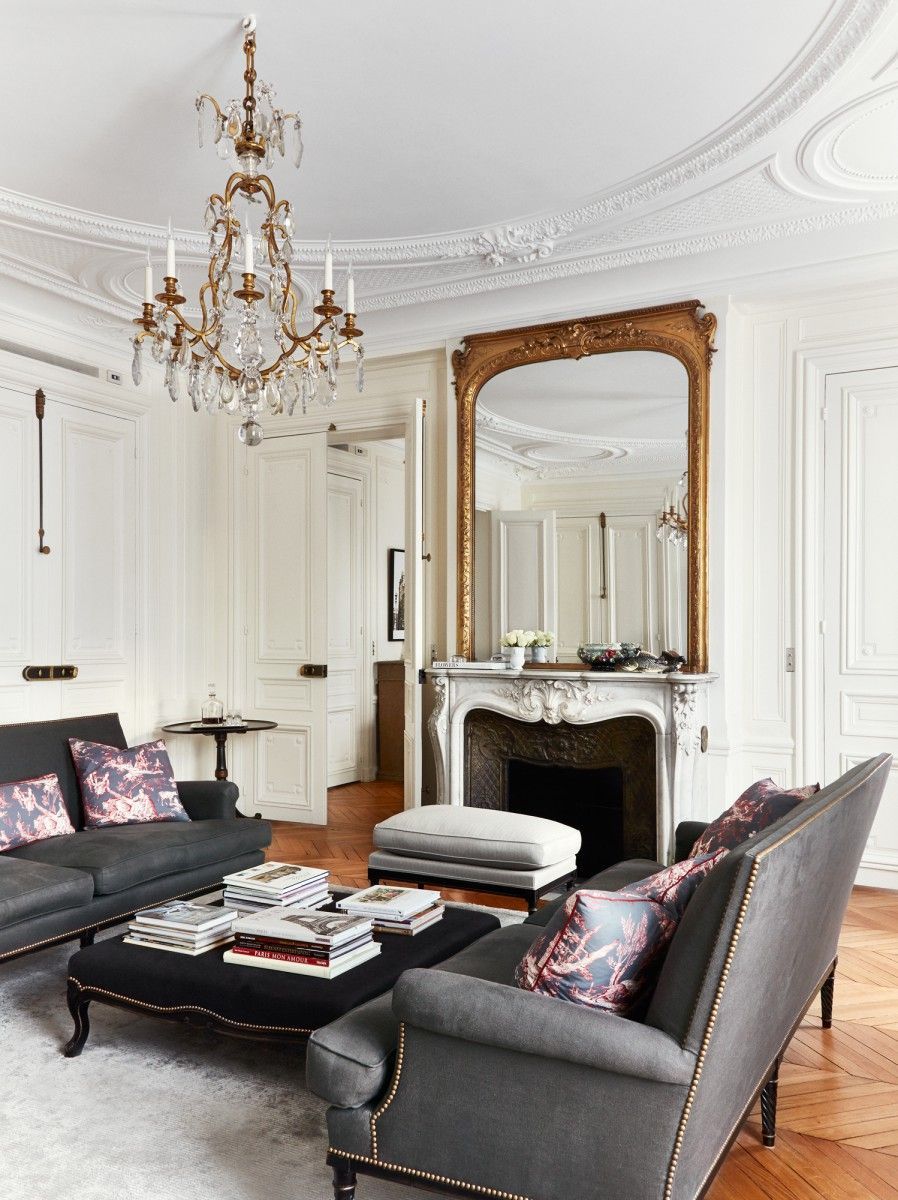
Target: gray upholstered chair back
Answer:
pixel 753 948
pixel 42 748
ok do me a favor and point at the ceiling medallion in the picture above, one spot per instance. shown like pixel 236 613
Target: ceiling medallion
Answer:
pixel 240 358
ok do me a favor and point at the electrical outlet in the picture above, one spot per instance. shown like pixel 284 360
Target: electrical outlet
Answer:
pixel 113 377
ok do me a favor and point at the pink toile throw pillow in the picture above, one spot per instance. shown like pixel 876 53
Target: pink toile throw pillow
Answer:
pixel 760 805
pixel 32 810
pixel 126 787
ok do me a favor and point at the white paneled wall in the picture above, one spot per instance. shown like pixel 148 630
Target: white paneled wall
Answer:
pixel 121 594
pixel 812 568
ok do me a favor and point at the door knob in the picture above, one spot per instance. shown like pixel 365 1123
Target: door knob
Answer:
pixel 313 671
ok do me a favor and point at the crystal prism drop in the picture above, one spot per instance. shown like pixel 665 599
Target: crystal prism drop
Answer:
pixel 174 382
pixel 199 121
pixel 224 289
pixel 288 223
pixel 314 366
pixel 289 392
pixel 184 350
pixel 306 394
pixel 209 215
pixel 210 387
pixel 228 395
pixel 273 395
pixel 223 148
pixel 333 359
pixel 157 350
pixel 329 397
pixel 136 363
pixel 297 142
pixel 360 370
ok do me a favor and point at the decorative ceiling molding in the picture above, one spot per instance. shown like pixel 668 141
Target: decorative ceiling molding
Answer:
pixel 666 213
pixel 822 156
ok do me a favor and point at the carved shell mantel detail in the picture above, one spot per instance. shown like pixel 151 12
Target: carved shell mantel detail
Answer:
pixel 552 700
pixel 685 718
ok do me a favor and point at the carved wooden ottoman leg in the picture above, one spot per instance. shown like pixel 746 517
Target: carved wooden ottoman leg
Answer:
pixel 826 998
pixel 768 1106
pixel 344 1181
pixel 78 1005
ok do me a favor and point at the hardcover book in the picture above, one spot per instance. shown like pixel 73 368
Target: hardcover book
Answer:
pixel 274 877
pixel 304 925
pixel 397 903
pixel 296 968
pixel 182 915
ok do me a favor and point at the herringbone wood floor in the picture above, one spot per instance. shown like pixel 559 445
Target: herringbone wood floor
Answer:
pixel 837 1126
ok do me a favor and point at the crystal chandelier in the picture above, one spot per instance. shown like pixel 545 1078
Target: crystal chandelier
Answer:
pixel 240 355
pixel 673 521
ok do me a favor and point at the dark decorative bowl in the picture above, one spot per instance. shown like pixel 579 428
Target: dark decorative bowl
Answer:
pixel 608 656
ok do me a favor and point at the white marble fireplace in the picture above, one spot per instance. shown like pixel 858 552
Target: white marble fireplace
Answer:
pixel 675 705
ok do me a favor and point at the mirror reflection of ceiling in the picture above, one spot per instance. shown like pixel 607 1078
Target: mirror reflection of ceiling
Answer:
pixel 641 133
pixel 624 413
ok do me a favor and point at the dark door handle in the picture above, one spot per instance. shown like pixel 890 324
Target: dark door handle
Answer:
pixel 42 674
pixel 313 671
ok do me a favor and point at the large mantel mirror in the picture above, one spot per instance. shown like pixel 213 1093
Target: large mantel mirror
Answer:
pixel 583 450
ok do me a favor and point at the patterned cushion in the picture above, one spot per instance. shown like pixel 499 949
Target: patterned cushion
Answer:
pixel 126 787
pixel 758 806
pixel 601 949
pixel 32 810
pixel 673 887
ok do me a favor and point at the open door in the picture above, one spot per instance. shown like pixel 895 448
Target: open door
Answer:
pixel 414 594
pixel 285 563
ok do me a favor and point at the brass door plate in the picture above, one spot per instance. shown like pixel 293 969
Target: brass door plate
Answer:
pixel 313 671
pixel 48 674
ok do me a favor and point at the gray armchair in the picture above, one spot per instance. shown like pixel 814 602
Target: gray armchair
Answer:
pixel 462 1083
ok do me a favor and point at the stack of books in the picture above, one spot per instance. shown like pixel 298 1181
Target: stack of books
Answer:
pixel 276 884
pixel 182 928
pixel 395 909
pixel 303 941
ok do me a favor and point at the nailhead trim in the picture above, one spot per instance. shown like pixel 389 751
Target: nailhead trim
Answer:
pixel 709 1029
pixel 394 1087
pixel 175 1008
pixel 106 922
pixel 430 1176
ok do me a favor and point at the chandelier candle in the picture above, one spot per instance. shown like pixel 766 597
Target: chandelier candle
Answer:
pixel 238 355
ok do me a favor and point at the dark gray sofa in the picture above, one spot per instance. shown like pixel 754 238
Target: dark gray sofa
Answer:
pixel 70 886
pixel 462 1083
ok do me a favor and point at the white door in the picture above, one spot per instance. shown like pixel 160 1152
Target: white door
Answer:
pixel 523 571
pixel 414 600
pixel 345 628
pixel 861 592
pixel 631 611
pixel 76 605
pixel 284 560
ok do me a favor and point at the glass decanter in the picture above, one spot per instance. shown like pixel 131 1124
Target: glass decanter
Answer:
pixel 213 709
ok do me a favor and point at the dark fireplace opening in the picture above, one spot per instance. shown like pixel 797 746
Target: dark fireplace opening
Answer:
pixel 590 799
pixel 599 778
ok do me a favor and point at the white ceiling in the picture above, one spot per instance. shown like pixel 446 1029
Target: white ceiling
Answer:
pixel 453 150
pixel 610 413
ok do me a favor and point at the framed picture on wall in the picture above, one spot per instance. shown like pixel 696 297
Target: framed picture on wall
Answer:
pixel 396 578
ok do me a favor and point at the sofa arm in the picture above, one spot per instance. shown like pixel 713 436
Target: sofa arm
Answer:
pixel 687 834
pixel 509 1018
pixel 209 799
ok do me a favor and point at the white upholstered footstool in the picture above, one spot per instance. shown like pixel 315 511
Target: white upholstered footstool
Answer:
pixel 485 849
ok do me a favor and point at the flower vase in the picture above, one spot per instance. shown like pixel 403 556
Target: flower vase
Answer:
pixel 540 654
pixel 516 656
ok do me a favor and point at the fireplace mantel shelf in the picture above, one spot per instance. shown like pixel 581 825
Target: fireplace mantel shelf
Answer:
pixel 675 704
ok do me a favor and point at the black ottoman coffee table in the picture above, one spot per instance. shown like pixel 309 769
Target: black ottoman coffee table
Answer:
pixel 247 1001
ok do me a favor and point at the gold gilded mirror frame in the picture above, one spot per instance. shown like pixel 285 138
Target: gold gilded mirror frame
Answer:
pixel 681 330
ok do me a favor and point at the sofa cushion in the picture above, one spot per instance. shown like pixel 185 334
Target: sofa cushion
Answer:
pixel 42 747
pixel 126 787
pixel 350 1061
pixel 673 887
pixel 123 856
pixel 610 880
pixel 760 805
pixel 32 810
pixel 484 836
pixel 603 950
pixel 31 889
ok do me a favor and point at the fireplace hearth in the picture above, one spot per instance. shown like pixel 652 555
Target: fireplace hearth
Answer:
pixel 649 729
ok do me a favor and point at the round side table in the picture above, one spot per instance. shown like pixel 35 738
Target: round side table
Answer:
pixel 220 733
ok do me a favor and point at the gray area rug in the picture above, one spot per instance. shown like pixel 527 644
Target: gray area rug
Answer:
pixel 152 1110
